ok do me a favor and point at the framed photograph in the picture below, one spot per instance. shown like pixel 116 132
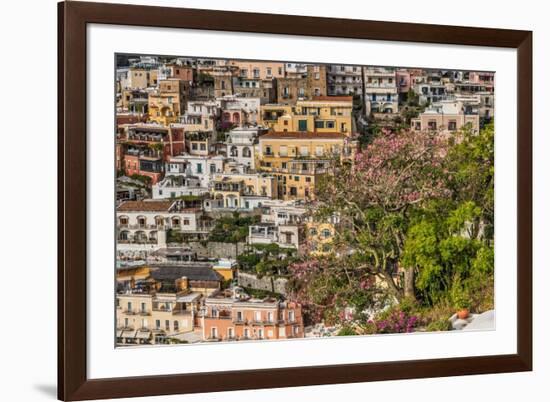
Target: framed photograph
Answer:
pixel 253 201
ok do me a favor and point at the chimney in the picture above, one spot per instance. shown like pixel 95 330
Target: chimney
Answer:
pixel 182 284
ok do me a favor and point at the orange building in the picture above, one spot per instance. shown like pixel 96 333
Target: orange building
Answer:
pixel 230 319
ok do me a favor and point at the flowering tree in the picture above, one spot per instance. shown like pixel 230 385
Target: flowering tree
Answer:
pixel 415 215
pixel 394 174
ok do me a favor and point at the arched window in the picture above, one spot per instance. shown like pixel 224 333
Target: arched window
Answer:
pixel 233 151
pixel 236 118
pixel 326 233
pixel 176 221
pixel 153 235
pixel 140 236
pixel 246 152
pixel 124 235
pixel 123 221
pixel 141 221
pixel 159 221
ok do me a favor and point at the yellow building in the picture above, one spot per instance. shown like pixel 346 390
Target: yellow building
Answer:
pixel 298 159
pixel 323 114
pixel 226 268
pixel 166 104
pixel 320 237
pixel 235 188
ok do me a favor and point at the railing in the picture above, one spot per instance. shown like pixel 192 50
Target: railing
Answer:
pixel 132 241
pixel 181 312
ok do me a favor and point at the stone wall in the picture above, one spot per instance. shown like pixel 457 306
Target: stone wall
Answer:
pixel 269 283
pixel 216 249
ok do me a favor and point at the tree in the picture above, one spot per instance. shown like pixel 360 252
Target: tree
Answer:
pixel 395 174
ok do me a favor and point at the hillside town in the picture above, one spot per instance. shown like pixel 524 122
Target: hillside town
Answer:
pixel 227 192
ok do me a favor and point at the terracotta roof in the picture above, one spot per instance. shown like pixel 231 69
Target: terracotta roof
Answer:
pixel 333 98
pixel 302 135
pixel 145 206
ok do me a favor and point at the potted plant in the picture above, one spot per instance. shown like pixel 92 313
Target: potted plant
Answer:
pixel 461 303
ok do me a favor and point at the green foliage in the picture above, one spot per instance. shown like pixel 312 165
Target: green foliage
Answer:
pixel 346 331
pixel 267 259
pixel 146 180
pixel 232 229
pixel 442 324
pixel 174 236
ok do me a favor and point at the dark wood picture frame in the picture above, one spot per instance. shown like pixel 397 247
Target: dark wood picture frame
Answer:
pixel 73 17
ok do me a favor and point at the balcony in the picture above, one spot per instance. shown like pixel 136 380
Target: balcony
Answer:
pixel 181 312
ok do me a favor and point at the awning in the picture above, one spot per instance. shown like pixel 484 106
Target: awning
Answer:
pixel 191 297
pixel 143 334
pixel 128 334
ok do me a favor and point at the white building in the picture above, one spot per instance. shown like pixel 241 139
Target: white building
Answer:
pixel 240 145
pixel 281 223
pixel 344 80
pixel 380 90
pixel 173 186
pixel 200 116
pixel 142 225
pixel 200 167
pixel 239 110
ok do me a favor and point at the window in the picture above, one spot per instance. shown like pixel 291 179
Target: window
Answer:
pixel 186 221
pixel 257 316
pixel 126 323
pixel 256 73
pixel 296 178
pixel 199 167
pixel 304 151
pixel 308 179
pixel 283 150
pixel 157 324
pixel 212 168
pixel 291 316
pixel 239 315
pixel 330 124
pixel 302 125
pixel 268 72
pixel 167 325
pixel 129 305
pixel 319 124
pixel 319 150
pixel 268 150
pixel 326 233
pixel 230 333
pixel 313 232
pixel 214 312
pixel 261 333
pixel 214 333
pixel 176 326
pixel 143 308
pixel 452 125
